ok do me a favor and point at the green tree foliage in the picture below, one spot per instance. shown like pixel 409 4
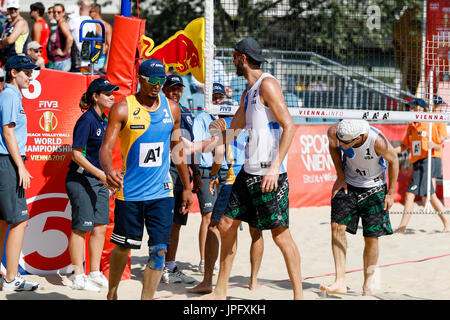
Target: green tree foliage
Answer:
pixel 337 29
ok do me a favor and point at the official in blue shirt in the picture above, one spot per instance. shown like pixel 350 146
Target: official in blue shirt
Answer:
pixel 173 89
pixel 86 185
pixel 205 160
pixel 15 178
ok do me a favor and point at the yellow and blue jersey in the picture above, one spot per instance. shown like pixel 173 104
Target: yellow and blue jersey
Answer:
pixel 145 149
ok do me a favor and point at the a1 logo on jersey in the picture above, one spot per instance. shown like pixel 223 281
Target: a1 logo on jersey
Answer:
pixel 150 154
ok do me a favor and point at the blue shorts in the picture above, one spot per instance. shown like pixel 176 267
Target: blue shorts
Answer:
pixel 221 203
pixel 205 199
pixel 131 216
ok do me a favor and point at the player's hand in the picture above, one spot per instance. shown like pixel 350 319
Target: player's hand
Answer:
pixel 24 177
pixel 188 146
pixel 269 182
pixel 186 201
pixel 114 179
pixel 217 126
pixel 338 185
pixel 388 201
pixel 212 184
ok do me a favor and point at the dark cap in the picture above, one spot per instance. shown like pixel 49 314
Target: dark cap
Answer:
pixel 218 88
pixel 418 102
pixel 20 63
pixel 152 68
pixel 172 80
pixel 437 100
pixel 101 85
pixel 250 47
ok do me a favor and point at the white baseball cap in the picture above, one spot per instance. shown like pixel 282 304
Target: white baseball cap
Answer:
pixel 349 129
pixel 12 4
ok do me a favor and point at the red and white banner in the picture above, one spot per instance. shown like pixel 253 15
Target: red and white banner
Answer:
pixel 311 170
pixel 51 107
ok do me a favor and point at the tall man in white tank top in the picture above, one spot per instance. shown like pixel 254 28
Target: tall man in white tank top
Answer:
pixel 360 154
pixel 260 193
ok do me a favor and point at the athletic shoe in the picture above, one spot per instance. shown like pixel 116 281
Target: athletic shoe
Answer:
pixel 169 276
pixel 99 279
pixel 19 284
pixel 201 267
pixel 180 275
pixel 82 282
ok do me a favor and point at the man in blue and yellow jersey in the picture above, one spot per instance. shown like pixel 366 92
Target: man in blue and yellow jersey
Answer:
pixel 147 124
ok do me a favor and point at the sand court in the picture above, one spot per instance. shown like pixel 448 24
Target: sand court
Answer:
pixel 412 266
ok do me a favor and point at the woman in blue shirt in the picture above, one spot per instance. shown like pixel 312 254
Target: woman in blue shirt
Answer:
pixel 86 186
pixel 15 178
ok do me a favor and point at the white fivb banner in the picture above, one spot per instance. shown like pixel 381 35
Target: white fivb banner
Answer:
pixel 376 115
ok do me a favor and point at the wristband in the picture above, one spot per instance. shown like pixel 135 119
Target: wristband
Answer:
pixel 212 177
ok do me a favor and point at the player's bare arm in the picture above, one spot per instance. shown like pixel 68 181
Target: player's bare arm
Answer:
pixel 336 156
pixel 179 158
pixel 117 119
pixel 384 148
pixel 272 97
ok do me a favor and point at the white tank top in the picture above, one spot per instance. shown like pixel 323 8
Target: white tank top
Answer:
pixel 362 166
pixel 263 133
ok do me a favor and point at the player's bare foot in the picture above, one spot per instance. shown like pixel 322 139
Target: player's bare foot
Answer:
pixel 400 230
pixel 201 288
pixel 367 292
pixel 334 289
pixel 253 285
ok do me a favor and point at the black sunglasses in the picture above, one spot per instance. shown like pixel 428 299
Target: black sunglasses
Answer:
pixel 346 142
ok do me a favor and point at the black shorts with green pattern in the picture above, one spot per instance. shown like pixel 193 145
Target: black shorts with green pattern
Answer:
pixel 261 210
pixel 364 203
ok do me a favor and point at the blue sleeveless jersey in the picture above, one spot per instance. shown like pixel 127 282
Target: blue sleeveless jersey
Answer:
pixel 145 149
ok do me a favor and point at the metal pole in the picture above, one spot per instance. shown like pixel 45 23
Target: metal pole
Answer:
pixel 209 53
pixel 424 39
pixel 428 208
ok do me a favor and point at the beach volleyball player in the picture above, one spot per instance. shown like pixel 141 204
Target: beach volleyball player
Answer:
pixel 361 154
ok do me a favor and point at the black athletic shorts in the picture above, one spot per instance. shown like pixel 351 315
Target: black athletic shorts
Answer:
pixel 261 210
pixel 364 203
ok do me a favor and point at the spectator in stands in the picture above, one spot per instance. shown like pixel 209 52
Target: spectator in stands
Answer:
pixel 416 138
pixel 2 20
pixel 51 19
pixel 95 13
pixel 41 30
pixel 34 51
pixel 60 41
pixel 74 24
pixel 16 33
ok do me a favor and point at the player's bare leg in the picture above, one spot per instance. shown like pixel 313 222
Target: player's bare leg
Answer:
pixel 256 253
pixel 339 249
pixel 370 257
